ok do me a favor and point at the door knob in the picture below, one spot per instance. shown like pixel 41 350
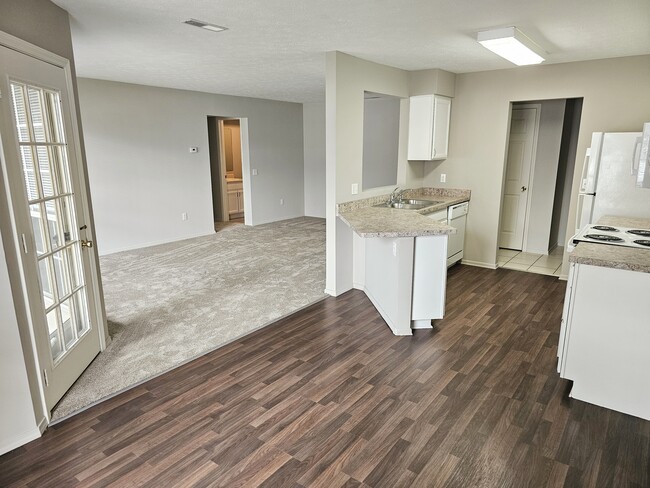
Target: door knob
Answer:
pixel 523 188
pixel 85 243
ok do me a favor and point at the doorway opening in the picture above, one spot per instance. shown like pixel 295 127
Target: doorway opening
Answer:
pixel 226 140
pixel 540 161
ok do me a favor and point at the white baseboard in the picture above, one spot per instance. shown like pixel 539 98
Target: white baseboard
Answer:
pixel 143 245
pixel 479 264
pixel 42 425
pixel 331 293
pixel 21 439
pixel 563 277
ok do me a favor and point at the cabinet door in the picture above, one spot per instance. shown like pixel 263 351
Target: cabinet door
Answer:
pixel 233 202
pixel 420 144
pixel 441 114
pixel 240 201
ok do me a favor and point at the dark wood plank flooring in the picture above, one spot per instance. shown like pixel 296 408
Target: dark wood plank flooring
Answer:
pixel 330 398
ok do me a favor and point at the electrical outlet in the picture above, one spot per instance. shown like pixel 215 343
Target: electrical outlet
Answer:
pixel 254 172
pixel 443 178
pixel 355 188
pixel 184 216
pixel 281 201
pixel 194 149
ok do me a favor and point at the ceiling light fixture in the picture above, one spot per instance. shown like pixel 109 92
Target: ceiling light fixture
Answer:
pixel 512 44
pixel 205 25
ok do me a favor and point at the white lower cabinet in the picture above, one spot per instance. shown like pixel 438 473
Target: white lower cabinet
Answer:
pixel 604 344
pixel 405 278
pixel 235 198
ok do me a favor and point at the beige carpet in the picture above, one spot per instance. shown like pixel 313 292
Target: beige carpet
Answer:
pixel 168 304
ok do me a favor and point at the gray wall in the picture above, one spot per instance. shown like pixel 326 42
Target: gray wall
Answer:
pixel 380 142
pixel 43 24
pixel 143 177
pixel 313 117
pixel 615 99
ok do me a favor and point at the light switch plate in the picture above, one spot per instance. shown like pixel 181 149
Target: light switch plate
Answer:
pixel 355 188
pixel 254 172
pixel 443 178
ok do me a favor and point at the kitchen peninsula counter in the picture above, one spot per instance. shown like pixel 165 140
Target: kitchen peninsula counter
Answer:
pixel 400 256
pixel 619 257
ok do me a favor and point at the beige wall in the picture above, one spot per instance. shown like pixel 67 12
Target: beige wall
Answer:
pixel 616 98
pixel 347 78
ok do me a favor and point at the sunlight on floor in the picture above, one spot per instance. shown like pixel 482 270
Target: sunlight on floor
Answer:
pixel 550 264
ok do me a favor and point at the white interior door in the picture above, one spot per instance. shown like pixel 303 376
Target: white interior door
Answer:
pixel 521 146
pixel 46 192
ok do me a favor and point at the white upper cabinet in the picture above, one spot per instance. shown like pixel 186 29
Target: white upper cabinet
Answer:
pixel 428 127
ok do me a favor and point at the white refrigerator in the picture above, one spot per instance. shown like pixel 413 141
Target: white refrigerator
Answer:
pixel 609 179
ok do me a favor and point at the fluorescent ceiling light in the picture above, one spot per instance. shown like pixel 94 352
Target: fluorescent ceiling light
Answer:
pixel 512 44
pixel 205 25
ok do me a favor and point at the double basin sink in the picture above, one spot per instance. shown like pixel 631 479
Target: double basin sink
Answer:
pixel 409 204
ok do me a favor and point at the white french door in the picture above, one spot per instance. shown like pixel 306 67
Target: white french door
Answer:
pixel 47 197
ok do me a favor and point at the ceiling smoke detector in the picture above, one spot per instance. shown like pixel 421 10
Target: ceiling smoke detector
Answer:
pixel 205 25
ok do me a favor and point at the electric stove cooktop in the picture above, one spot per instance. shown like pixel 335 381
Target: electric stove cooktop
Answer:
pixel 617 236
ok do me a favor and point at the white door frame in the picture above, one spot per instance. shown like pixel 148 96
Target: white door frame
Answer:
pixel 225 210
pixel 9 228
pixel 531 177
pixel 245 169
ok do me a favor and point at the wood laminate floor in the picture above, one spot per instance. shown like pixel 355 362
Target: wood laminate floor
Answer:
pixel 330 398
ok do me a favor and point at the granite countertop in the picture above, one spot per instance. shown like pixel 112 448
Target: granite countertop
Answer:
pixel 630 258
pixel 370 221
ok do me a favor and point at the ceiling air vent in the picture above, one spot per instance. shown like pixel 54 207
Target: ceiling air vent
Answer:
pixel 205 25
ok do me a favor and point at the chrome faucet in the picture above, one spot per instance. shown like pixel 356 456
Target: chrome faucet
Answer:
pixel 395 196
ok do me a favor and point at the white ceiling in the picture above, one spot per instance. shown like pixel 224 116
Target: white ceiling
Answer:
pixel 275 48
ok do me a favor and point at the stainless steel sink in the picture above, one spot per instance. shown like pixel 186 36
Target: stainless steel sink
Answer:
pixel 410 204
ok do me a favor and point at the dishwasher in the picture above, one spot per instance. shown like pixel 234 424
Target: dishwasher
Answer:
pixel 456 217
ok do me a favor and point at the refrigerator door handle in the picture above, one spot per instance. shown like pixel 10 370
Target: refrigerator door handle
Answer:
pixel 636 156
pixel 585 170
pixel 581 201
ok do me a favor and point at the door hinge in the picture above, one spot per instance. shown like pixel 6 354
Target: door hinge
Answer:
pixel 47 382
pixel 23 239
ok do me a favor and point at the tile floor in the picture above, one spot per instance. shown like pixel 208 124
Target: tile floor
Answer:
pixel 550 264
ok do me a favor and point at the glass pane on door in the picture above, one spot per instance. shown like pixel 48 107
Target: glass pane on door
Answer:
pixel 47 177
